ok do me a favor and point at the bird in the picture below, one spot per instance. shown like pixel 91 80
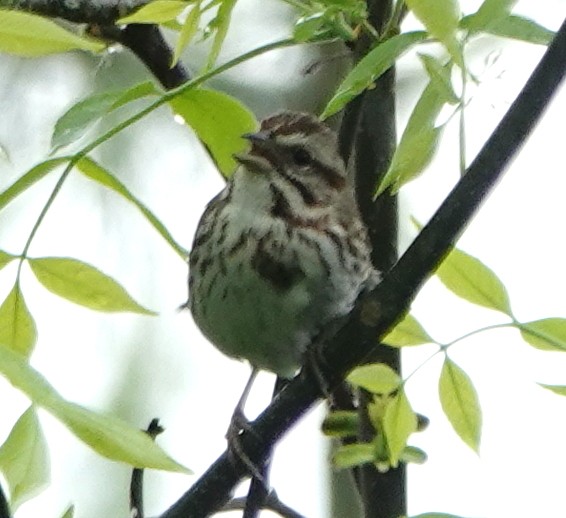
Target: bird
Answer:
pixel 282 250
pixel 278 256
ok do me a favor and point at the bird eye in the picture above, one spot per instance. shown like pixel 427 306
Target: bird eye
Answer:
pixel 301 157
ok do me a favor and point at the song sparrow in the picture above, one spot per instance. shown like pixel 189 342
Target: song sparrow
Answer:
pixel 281 251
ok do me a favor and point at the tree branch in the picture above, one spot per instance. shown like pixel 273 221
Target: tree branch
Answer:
pixel 78 11
pixel 147 42
pixel 372 123
pixel 375 313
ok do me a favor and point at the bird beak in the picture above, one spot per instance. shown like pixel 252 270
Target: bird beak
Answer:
pixel 260 137
pixel 256 158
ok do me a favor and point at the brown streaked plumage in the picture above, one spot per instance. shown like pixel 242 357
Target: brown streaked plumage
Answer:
pixel 281 251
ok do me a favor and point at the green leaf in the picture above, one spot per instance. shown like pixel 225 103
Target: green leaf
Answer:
pixel 467 277
pixel 440 78
pixel 522 29
pixel 17 327
pixel 83 284
pixel 548 334
pixel 219 120
pixel 35 174
pixel 70 512
pixel 370 67
pixel 377 378
pixel 107 435
pixel 187 32
pixel 77 120
pixel 307 27
pixel 30 35
pixel 489 12
pixel 440 18
pixel 219 25
pixel 349 455
pixel 414 455
pixel 557 389
pixel 157 11
pixel 24 459
pixel 5 258
pixel 460 403
pixel 418 142
pixel 96 172
pixel 341 423
pixel 406 333
pixel 399 423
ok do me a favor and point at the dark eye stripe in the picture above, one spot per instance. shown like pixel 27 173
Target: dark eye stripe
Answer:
pixel 330 176
pixel 304 192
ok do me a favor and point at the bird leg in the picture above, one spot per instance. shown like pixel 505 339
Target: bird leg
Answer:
pixel 238 424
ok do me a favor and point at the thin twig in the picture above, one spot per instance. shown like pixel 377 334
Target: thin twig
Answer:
pixel 136 484
pixel 271 503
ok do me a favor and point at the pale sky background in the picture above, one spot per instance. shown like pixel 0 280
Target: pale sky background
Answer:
pixel 141 367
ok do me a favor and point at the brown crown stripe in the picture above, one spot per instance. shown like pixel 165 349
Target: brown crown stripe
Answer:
pixel 287 124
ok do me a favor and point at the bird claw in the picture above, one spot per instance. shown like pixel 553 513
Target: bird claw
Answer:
pixel 239 425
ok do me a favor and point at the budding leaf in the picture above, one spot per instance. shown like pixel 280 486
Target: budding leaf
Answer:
pixel 5 258
pixel 349 455
pixel 106 434
pixel 377 378
pixel 24 459
pixel 399 423
pixel 96 172
pixel 490 12
pixel 32 176
pixel 440 18
pixel 83 284
pixel 158 11
pixel 219 120
pixel 557 389
pixel 522 29
pixel 31 35
pixel 77 120
pixel 418 143
pixel 17 327
pixel 548 334
pixel 460 403
pixel 408 332
pixel 469 278
pixel 370 67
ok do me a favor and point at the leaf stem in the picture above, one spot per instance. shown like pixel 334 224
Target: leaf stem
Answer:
pixel 442 348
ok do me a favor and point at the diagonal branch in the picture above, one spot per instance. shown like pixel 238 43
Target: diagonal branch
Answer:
pixel 377 312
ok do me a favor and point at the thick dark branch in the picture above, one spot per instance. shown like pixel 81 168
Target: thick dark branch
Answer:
pixel 368 135
pixel 149 45
pixel 377 312
pixel 102 12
